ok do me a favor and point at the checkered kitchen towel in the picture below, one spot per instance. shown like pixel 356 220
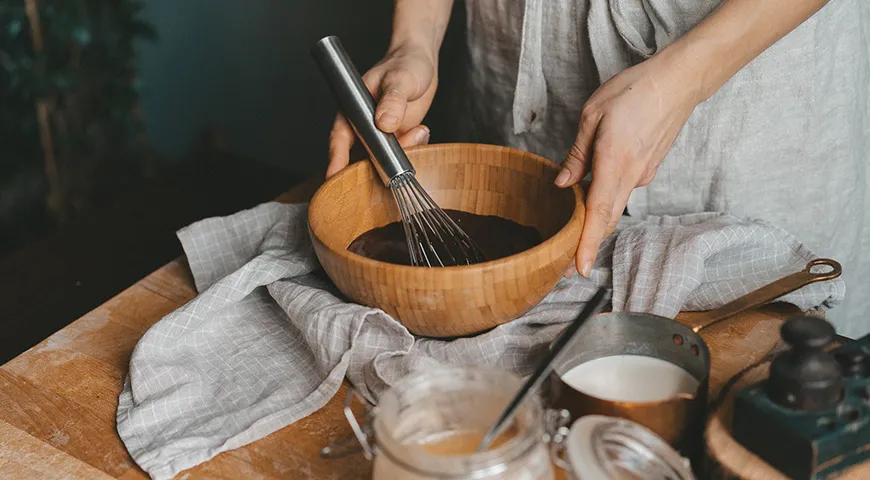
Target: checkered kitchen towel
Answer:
pixel 269 340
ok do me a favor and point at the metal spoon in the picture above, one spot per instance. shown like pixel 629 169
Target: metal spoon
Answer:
pixel 534 381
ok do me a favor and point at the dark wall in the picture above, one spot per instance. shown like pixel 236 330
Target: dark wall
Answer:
pixel 244 69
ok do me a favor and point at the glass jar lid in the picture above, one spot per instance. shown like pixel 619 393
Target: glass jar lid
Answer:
pixel 605 448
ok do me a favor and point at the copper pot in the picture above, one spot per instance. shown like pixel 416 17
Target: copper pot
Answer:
pixel 679 420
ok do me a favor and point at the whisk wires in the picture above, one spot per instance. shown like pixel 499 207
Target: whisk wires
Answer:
pixel 434 239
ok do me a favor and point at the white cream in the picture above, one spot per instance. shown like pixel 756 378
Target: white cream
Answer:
pixel 630 378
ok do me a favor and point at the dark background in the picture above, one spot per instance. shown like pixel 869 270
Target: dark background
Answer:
pixel 244 68
pixel 235 113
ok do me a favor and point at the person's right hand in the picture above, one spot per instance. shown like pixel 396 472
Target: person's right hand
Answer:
pixel 403 84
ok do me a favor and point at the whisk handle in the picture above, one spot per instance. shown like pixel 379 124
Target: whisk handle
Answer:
pixel 358 106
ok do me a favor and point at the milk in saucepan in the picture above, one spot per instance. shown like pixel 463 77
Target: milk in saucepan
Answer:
pixel 630 378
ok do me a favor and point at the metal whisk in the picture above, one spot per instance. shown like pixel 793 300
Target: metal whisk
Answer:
pixel 434 239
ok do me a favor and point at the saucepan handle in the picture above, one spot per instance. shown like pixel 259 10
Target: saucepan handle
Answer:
pixel 769 293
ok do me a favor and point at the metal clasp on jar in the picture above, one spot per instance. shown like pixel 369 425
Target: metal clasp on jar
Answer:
pixel 363 438
pixel 555 432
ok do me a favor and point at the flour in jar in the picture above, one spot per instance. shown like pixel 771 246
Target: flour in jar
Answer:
pixel 630 378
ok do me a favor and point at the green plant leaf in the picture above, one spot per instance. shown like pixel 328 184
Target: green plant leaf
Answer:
pixel 86 71
pixel 82 36
pixel 14 27
pixel 62 81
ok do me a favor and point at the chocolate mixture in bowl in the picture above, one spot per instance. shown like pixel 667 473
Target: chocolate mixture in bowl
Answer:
pixel 497 237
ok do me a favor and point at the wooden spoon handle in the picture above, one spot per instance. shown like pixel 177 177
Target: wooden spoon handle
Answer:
pixel 768 293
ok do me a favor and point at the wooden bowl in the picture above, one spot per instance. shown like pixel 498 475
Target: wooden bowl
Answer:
pixel 451 301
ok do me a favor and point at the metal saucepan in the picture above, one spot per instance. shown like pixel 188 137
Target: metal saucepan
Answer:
pixel 678 419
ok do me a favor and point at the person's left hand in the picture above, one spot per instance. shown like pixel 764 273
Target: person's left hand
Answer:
pixel 626 128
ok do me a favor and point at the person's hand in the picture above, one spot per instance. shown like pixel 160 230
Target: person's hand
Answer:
pixel 626 128
pixel 403 84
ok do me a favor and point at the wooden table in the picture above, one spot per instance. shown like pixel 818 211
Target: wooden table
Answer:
pixel 58 400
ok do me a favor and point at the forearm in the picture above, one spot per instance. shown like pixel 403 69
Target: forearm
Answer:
pixel 731 37
pixel 420 24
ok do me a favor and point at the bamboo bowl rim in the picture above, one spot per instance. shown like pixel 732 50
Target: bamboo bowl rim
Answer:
pixel 573 224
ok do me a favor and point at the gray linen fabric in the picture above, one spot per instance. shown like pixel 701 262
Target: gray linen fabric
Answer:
pixel 268 340
pixel 787 139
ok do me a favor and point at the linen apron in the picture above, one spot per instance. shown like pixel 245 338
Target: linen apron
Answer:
pixel 786 140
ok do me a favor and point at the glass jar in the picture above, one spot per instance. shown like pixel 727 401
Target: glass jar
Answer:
pixel 428 424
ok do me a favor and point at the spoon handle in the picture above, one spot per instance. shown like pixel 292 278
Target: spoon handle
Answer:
pixel 534 381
